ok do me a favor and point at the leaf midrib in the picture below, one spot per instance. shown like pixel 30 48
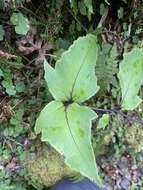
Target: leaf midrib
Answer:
pixel 72 136
pixel 80 68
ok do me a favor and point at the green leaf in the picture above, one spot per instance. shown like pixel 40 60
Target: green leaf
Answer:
pixel 103 122
pixel 74 74
pixel 7 83
pixel 20 22
pixel 68 129
pixel 120 13
pixel 2 33
pixel 10 88
pixel 73 4
pixel 88 4
pixel 1 73
pixel 20 86
pixel 82 8
pixel 131 78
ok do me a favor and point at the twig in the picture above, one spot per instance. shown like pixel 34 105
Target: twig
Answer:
pixel 117 111
pixel 10 139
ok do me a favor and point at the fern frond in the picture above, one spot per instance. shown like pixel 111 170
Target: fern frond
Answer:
pixel 106 66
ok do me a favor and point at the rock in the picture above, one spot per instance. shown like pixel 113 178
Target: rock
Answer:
pixel 134 137
pixel 47 166
pixel 125 183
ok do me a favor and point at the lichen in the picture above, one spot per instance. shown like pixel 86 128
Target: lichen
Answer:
pixel 47 166
pixel 134 137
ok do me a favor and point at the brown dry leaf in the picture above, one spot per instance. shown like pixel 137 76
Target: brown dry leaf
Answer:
pixel 31 43
pixel 12 165
pixel 6 110
pixel 42 52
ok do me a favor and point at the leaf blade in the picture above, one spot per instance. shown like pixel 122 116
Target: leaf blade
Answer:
pixel 20 22
pixel 75 70
pixel 130 78
pixel 53 82
pixel 103 121
pixel 69 126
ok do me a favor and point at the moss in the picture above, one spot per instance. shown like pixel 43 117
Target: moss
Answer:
pixel 47 166
pixel 134 137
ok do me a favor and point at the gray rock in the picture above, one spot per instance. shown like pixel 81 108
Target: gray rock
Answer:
pixel 125 183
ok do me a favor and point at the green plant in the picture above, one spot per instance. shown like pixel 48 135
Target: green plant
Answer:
pixel 65 123
pixel 20 22
pixel 7 74
pixel 130 77
pixel 85 7
pixel 56 24
pixel 1 33
pixel 103 122
pixel 7 81
pixel 70 88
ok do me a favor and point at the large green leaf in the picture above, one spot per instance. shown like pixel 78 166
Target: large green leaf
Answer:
pixel 74 74
pixel 131 78
pixel 68 129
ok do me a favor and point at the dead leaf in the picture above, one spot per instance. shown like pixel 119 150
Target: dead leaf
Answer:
pixel 30 43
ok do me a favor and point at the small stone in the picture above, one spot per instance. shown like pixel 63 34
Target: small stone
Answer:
pixel 128 177
pixel 134 167
pixel 125 183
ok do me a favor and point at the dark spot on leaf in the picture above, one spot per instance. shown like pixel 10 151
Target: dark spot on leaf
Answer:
pixel 78 122
pixel 55 129
pixel 80 132
pixel 81 92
